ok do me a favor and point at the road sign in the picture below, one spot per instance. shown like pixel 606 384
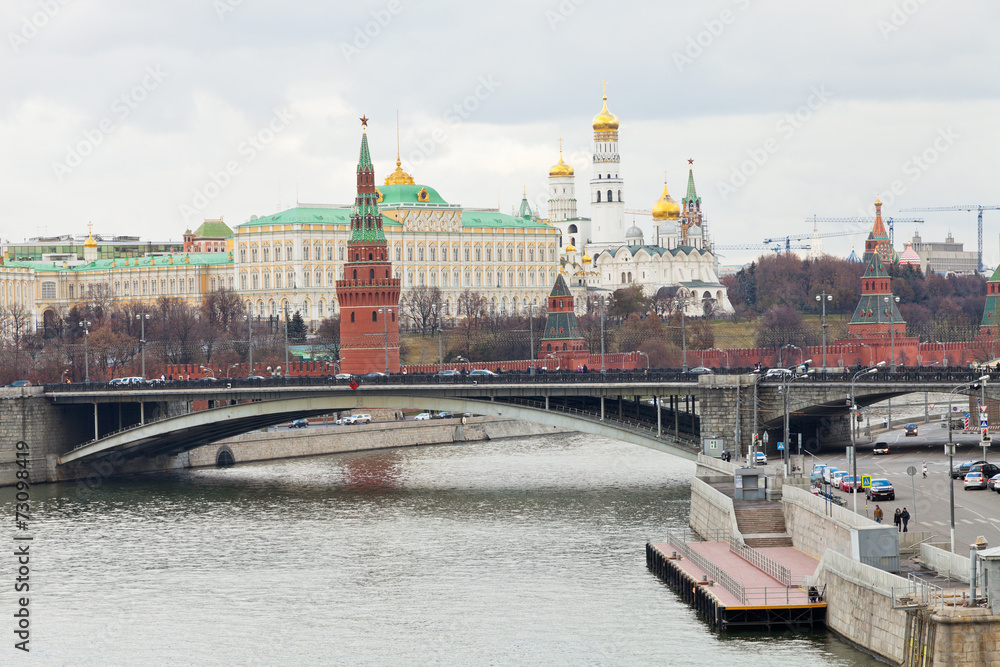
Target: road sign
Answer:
pixel 866 481
pixel 911 471
pixel 932 406
pixel 850 456
pixel 765 436
pixel 781 446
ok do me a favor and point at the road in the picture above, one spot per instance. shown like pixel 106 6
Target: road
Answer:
pixel 976 512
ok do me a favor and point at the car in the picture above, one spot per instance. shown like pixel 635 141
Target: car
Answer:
pixel 443 415
pixel 836 477
pixel 374 375
pixel 482 372
pixel 126 381
pixel 828 474
pixel 255 377
pixel 991 483
pixel 20 383
pixel 778 373
pixel 701 370
pixel 422 417
pixel 910 429
pixel 959 471
pixel 361 419
pixel 298 423
pixel 343 376
pixel 988 469
pixel 850 483
pixel 207 378
pixel 448 373
pixel 880 489
pixel 974 480
pixel 760 459
pixel 880 448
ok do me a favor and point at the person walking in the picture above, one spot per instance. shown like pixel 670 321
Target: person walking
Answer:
pixel 878 514
pixel 925 469
pixel 897 521
pixel 905 517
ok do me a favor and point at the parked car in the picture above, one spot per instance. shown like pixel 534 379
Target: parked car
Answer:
pixel 975 480
pixel 374 375
pixel 443 415
pixel 482 372
pixel 447 373
pixel 422 417
pixel 778 373
pixel 828 474
pixel 836 477
pixel 701 370
pixel 20 383
pixel 761 459
pixel 910 429
pixel 991 483
pixel 850 483
pixel 880 489
pixel 343 376
pixel 298 423
pixel 959 471
pixel 363 418
pixel 880 448
pixel 988 469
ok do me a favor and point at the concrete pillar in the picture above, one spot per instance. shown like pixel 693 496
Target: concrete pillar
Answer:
pixel 96 435
pixel 602 407
pixel 659 418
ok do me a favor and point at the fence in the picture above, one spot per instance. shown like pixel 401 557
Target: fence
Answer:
pixel 710 569
pixel 774 569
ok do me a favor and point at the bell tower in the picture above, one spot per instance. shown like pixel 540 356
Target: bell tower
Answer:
pixel 368 293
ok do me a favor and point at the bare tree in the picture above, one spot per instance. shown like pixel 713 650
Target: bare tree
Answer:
pixel 419 306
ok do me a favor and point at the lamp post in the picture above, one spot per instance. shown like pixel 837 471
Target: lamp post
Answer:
pixel 207 369
pixel 854 449
pixel 823 297
pixel 603 369
pixel 385 333
pixel 249 318
pixel 683 303
pixel 784 384
pixel 531 338
pixel 142 317
pixel 286 337
pixel 790 345
pixel 892 327
pixel 944 353
pixel 85 325
pixel 950 450
pixel 871 354
pixel 437 312
pixel 725 352
pixel 645 355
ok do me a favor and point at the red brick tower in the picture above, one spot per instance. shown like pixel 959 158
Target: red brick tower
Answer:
pixel 562 340
pixel 368 294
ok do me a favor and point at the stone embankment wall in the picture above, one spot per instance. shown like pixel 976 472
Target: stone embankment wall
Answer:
pixel 859 604
pixel 46 430
pixel 816 526
pixel 711 512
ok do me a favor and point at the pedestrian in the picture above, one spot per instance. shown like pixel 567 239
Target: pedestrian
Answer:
pixel 885 422
pixel 897 520
pixel 925 469
pixel 905 517
pixel 878 514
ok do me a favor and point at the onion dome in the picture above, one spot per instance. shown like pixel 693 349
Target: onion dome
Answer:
pixel 665 207
pixel 90 242
pixel 399 177
pixel 909 257
pixel 605 121
pixel 586 259
pixel 570 248
pixel 633 235
pixel 560 168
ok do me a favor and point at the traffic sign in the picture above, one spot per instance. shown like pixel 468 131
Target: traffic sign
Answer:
pixel 765 436
pixel 866 481
pixel 911 471
pixel 781 446
pixel 932 406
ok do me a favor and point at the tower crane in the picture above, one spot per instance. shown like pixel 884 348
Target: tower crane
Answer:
pixel 967 207
pixel 786 240
pixel 868 220
pixel 775 247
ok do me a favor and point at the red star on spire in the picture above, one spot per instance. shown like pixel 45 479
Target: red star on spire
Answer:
pixel 364 121
pixel 690 160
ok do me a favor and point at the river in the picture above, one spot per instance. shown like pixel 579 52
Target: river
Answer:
pixel 526 551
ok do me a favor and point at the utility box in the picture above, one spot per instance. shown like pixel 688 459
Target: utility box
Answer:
pixel 750 484
pixel 713 446
pixel 877 546
pixel 989 560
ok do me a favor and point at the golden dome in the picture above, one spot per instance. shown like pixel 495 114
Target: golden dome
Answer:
pixel 878 200
pixel 399 177
pixel 571 248
pixel 560 168
pixel 586 259
pixel 665 207
pixel 90 242
pixel 605 121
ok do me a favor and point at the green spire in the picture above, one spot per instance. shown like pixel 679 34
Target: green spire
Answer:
pixel 365 161
pixel 692 194
pixel 525 211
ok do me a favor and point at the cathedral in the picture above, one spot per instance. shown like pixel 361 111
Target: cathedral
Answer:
pixel 601 254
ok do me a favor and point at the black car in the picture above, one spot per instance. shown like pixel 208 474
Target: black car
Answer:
pixel 880 489
pixel 299 423
pixel 988 469
pixel 443 415
pixel 960 471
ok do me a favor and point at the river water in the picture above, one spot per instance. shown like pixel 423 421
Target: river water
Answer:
pixel 528 551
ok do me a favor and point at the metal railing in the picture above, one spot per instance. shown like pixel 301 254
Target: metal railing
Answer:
pixel 710 569
pixel 919 593
pixel 762 562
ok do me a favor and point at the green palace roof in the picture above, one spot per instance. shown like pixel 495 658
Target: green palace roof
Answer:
pixel 196 259
pixel 342 216
pixel 408 194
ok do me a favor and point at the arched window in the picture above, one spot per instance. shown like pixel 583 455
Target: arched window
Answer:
pixel 371 274
pixel 572 229
pixel 619 195
pixel 374 316
pixel 598 196
pixel 277 253
pixel 253 254
pixel 409 253
pixel 623 276
pixel 610 198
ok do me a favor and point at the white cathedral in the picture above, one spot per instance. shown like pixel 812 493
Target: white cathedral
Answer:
pixel 614 256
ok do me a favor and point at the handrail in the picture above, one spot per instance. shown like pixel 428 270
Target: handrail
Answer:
pixel 761 561
pixel 709 568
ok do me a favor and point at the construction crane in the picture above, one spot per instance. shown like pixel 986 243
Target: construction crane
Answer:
pixel 787 240
pixel 866 220
pixel 774 247
pixel 969 207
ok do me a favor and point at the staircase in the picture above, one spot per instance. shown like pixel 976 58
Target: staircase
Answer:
pixel 762 523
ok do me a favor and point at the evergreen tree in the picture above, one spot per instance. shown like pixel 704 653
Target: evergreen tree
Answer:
pixel 297 328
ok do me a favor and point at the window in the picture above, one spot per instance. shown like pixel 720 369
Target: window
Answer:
pixel 291 280
pixel 319 279
pixel 277 253
pixel 229 282
pixel 49 290
pixel 468 279
pixel 305 251
pixel 277 280
pixel 420 278
pixel 253 254
pixel 329 278
pixel 572 229
pixel 598 196
pixel 479 254
pixel 454 256
pixel 374 316
pixel 610 198
pixel 531 254
pixel 173 284
pixel 71 291
pixel 552 254
pixel 267 253
pixel 305 278
pixel 144 286
pixel 243 255
pixel 510 253
pixel 409 253
pixel 489 254
pixel 191 285
pixel 340 253
pixel 619 195
pixel 399 254
pixel 466 253
pixel 420 253
pixel 520 254
pixel 479 279
pixel 329 258
pixel 352 317
pixel 409 278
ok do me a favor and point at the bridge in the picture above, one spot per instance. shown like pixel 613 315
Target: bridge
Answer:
pixel 665 410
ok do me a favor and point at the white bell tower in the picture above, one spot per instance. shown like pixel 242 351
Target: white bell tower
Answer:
pixel 607 188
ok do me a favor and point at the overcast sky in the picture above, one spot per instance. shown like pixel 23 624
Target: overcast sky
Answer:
pixel 147 117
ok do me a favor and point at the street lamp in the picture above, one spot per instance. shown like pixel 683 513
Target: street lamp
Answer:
pixel 683 303
pixel 871 354
pixel 823 298
pixel 784 384
pixel 790 345
pixel 531 338
pixel 437 311
pixel 142 317
pixel 725 352
pixel 249 318
pixel 207 369
pixel 892 328
pixel 85 325
pixel 385 332
pixel 603 369
pixel 645 355
pixel 944 353
pixel 854 407
pixel 950 450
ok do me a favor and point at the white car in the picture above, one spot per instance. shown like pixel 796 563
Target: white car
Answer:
pixel 422 417
pixel 778 373
pixel 343 376
pixel 761 459
pixel 361 419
